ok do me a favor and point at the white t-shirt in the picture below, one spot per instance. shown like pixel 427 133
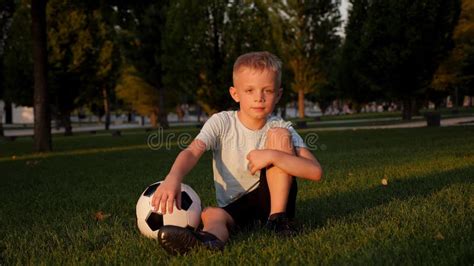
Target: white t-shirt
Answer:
pixel 230 142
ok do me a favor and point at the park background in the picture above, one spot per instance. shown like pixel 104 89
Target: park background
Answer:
pixel 367 82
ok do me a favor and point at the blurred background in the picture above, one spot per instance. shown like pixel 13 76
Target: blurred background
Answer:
pixel 70 63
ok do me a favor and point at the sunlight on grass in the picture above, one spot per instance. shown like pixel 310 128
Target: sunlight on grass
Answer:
pixel 423 215
pixel 74 152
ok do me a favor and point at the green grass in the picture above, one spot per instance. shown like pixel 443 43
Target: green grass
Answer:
pixel 424 215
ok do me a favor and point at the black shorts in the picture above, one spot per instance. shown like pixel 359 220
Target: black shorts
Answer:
pixel 254 207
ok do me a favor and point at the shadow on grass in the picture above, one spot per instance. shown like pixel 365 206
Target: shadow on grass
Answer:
pixel 314 213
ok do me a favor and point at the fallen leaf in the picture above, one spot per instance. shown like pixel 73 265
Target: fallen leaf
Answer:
pixel 101 216
pixel 384 181
pixel 439 236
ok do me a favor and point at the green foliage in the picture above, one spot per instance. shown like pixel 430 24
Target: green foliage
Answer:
pixel 394 47
pixel 204 39
pixel 305 33
pixel 423 216
pixel 142 45
pixel 137 93
pixel 457 69
pixel 17 59
pixel 184 49
pixel 182 42
pixel 70 49
pixel 6 13
pixel 351 78
pixel 82 55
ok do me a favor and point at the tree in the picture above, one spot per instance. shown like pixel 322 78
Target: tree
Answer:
pixel 215 33
pixel 202 57
pixel 107 62
pixel 306 34
pixel 70 49
pixel 142 46
pixel 137 93
pixel 102 65
pixel 456 69
pixel 42 129
pixel 351 80
pixel 6 13
pixel 18 59
pixel 402 43
pixel 83 58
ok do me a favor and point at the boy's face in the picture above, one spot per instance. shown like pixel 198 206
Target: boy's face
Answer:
pixel 256 91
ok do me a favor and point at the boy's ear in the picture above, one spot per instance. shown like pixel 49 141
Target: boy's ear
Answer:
pixel 234 94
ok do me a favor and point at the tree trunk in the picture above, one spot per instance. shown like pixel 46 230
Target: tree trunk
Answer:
pixel 163 120
pixel 162 115
pixel 105 94
pixel 1 125
pixel 407 109
pixel 357 106
pixel 42 116
pixel 154 119
pixel 66 121
pixel 180 113
pixel 301 113
pixel 416 104
pixel 199 113
pixel 8 113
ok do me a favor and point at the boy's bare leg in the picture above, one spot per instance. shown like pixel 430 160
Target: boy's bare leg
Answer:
pixel 217 221
pixel 279 182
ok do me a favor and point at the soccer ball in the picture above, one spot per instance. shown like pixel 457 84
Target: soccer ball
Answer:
pixel 149 221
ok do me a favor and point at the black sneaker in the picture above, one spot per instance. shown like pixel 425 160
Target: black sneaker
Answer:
pixel 279 223
pixel 177 240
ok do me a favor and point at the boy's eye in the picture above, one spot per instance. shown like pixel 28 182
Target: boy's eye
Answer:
pixel 269 91
pixel 248 90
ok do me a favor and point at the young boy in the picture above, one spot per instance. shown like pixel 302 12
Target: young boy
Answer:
pixel 255 159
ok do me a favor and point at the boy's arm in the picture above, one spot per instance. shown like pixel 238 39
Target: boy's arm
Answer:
pixel 170 189
pixel 303 164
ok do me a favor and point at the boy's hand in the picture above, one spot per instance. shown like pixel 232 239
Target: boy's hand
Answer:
pixel 259 159
pixel 165 195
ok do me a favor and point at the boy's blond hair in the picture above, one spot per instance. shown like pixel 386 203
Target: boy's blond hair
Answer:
pixel 259 61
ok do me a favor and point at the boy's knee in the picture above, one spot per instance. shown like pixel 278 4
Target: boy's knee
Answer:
pixel 279 138
pixel 213 213
pixel 278 132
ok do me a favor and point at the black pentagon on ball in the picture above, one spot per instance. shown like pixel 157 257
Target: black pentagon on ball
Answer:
pixel 150 190
pixel 186 201
pixel 154 221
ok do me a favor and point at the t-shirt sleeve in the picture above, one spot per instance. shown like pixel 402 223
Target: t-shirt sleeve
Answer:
pixel 211 131
pixel 296 138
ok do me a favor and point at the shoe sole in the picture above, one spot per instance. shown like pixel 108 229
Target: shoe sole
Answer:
pixel 177 240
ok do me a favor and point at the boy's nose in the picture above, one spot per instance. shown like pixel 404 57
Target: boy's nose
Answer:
pixel 260 96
